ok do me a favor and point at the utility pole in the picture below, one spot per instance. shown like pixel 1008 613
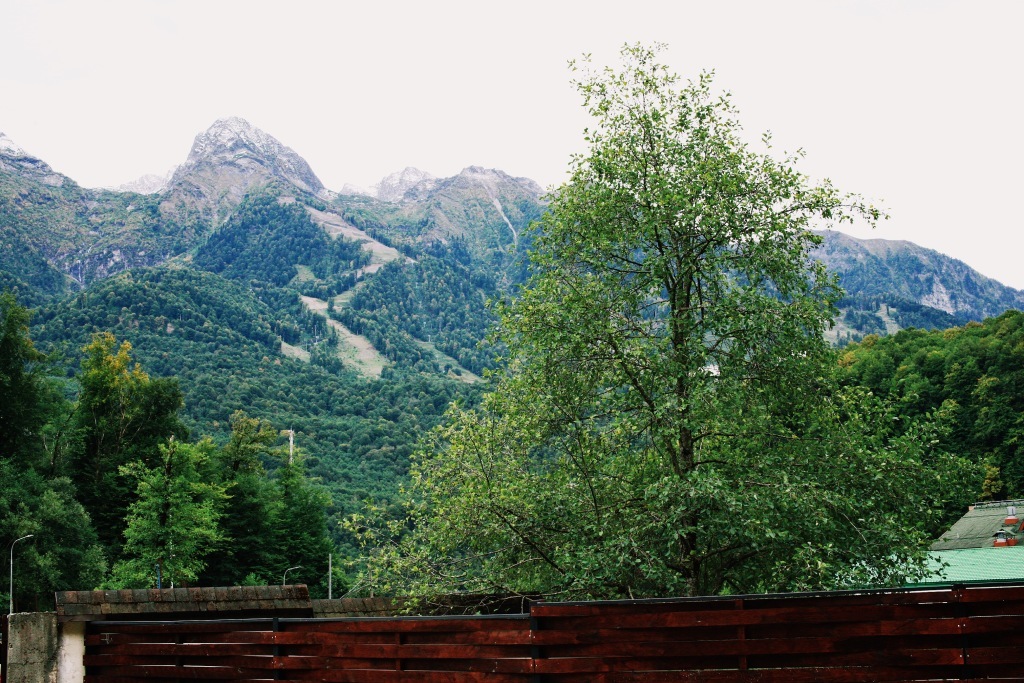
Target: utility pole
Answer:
pixel 330 574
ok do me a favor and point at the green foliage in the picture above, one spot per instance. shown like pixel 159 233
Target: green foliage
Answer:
pixel 438 299
pixel 22 267
pixel 669 423
pixel 218 339
pixel 22 381
pixel 122 416
pixel 974 373
pixel 64 553
pixel 264 240
pixel 212 515
pixel 174 521
pixel 301 532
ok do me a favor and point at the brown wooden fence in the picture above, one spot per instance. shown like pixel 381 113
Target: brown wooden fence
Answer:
pixel 959 633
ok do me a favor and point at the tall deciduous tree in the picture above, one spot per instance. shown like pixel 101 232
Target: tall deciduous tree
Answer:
pixel 123 416
pixel 668 422
pixel 175 520
pixel 302 537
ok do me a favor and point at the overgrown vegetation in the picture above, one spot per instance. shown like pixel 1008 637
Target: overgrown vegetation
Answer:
pixel 973 375
pixel 101 471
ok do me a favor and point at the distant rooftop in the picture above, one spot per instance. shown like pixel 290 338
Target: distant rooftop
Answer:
pixel 974 565
pixel 978 528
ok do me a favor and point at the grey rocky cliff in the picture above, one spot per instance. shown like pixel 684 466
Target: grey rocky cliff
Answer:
pixel 236 142
pixel 13 159
pixel 231 158
pixel 147 184
pixel 393 187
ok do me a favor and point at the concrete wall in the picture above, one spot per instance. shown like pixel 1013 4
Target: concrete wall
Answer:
pixel 32 650
pixel 41 651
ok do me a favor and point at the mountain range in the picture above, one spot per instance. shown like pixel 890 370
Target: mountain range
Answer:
pixel 353 317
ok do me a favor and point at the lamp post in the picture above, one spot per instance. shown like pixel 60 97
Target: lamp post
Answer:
pixel 284 579
pixel 12 569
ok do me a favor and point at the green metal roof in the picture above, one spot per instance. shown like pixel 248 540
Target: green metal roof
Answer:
pixel 975 564
pixel 977 528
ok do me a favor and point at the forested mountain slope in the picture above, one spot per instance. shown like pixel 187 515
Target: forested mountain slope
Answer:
pixel 891 285
pixel 973 376
pixel 58 237
pixel 221 340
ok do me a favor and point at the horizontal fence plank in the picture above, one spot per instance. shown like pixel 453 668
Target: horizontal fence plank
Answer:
pixel 787 646
pixel 784 615
pixel 183 649
pixel 850 675
pixel 410 624
pixel 370 676
pixel 235 662
pixel 749 602
pixel 222 673
pixel 211 625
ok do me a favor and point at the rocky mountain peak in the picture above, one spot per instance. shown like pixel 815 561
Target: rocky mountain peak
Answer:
pixel 892 284
pixel 393 187
pixel 10 148
pixel 235 146
pixel 233 132
pixel 14 159
pixel 492 178
pixel 147 184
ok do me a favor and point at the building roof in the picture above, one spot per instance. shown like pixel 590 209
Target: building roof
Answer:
pixel 977 529
pixel 974 564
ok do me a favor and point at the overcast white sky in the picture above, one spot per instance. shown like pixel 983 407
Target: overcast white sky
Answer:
pixel 914 103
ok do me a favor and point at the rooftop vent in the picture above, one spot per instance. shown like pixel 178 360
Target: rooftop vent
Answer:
pixel 1004 538
pixel 1011 515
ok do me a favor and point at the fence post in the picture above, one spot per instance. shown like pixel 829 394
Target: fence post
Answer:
pixel 741 635
pixel 277 649
pixel 962 618
pixel 535 653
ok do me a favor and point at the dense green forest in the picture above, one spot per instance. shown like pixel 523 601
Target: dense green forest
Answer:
pixel 266 240
pixel 99 468
pixel 221 342
pixel 208 344
pixel 438 299
pixel 972 375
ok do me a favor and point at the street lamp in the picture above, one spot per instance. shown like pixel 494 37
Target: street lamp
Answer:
pixel 12 568
pixel 284 580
